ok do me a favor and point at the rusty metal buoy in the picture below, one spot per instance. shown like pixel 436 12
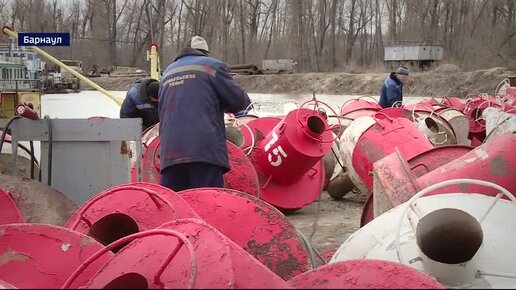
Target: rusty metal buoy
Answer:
pixel 254 225
pixel 381 139
pixel 365 274
pixel 126 209
pixel 186 253
pixel 477 124
pixel 418 165
pixel 340 186
pixel 242 176
pixel 288 158
pixel 396 180
pixel 358 107
pixel 255 130
pixel 454 102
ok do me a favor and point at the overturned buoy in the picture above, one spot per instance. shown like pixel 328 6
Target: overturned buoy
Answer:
pixel 186 253
pixel 364 274
pixel 440 235
pixel 127 209
pixel 266 234
pixel 44 256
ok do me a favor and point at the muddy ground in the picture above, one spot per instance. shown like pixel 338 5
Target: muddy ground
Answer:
pixel 328 222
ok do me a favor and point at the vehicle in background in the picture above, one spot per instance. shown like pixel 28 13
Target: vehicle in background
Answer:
pixel 278 66
pixel 59 79
pixel 420 54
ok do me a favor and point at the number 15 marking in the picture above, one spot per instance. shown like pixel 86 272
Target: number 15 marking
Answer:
pixel 278 151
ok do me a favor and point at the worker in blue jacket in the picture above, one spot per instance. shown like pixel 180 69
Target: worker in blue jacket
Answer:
pixel 141 101
pixel 195 92
pixel 392 88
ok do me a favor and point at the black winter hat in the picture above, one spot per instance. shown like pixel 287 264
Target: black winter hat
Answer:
pixel 152 89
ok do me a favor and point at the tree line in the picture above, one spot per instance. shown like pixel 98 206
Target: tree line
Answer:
pixel 320 35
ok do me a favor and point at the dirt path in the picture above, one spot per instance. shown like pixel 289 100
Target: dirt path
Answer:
pixel 445 80
pixel 419 84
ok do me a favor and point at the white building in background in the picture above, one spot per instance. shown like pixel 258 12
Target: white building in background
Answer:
pixel 422 55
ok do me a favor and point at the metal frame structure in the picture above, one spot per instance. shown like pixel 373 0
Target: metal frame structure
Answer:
pixel 87 156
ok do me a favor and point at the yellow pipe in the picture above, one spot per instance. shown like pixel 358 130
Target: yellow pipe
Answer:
pixel 8 31
pixel 153 56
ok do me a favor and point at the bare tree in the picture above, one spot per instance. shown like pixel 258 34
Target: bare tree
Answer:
pixel 321 35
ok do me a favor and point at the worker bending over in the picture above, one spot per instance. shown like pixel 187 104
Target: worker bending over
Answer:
pixel 141 101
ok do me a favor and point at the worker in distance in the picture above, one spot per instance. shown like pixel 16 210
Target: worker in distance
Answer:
pixel 391 93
